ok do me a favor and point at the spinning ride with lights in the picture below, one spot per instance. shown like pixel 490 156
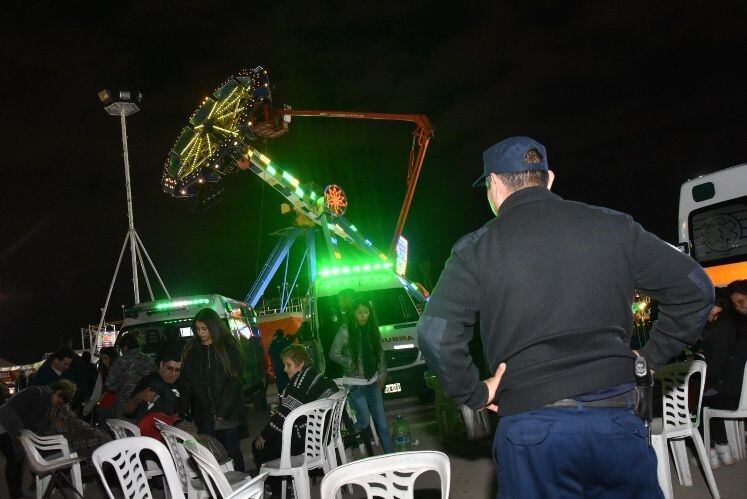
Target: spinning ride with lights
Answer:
pixel 217 142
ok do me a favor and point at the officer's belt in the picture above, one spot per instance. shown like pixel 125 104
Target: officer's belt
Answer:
pixel 627 399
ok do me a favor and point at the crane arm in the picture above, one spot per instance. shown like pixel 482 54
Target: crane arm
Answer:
pixel 421 136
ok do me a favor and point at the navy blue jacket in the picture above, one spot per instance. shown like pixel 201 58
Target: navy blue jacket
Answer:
pixel 552 282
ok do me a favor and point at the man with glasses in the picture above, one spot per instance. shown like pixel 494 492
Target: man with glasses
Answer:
pixel 158 391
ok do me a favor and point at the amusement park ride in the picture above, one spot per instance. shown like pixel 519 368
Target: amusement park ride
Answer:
pixel 217 143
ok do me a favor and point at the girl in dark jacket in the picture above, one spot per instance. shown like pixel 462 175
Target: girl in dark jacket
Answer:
pixel 211 380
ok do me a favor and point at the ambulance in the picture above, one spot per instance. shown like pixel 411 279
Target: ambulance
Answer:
pixel 169 321
pixel 397 304
pixel 712 223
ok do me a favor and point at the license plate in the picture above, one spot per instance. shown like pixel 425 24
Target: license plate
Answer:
pixel 393 388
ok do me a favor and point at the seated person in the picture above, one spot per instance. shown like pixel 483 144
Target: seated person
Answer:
pixel 305 385
pixel 157 392
pixel 724 346
pixel 29 409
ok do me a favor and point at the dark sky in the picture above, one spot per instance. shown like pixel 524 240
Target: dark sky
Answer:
pixel 630 98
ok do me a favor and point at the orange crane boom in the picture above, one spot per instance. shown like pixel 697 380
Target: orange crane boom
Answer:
pixel 421 136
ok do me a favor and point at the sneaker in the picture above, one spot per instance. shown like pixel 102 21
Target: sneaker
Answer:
pixel 713 458
pixel 724 455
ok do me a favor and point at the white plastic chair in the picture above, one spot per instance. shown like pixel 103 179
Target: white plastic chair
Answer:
pixel 333 438
pixel 390 475
pixel 190 476
pixel 678 423
pixel 124 429
pixel 314 456
pixel 124 456
pixel 354 417
pixel 49 471
pixel 734 422
pixel 249 488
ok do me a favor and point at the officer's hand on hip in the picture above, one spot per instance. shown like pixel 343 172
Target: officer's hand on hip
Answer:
pixel 492 384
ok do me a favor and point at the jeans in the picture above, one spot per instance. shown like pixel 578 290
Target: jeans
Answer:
pixel 564 452
pixel 368 402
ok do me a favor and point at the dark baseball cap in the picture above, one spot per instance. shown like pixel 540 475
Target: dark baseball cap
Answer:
pixel 512 155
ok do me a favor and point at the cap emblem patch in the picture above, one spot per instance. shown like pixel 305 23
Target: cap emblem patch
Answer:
pixel 532 157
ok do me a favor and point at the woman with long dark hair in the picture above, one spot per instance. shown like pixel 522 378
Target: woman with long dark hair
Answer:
pixel 357 347
pixel 212 370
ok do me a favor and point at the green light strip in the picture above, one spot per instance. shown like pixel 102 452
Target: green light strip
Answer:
pixel 291 179
pixel 182 303
pixel 355 269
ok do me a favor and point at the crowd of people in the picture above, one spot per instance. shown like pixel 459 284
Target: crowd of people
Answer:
pixel 196 385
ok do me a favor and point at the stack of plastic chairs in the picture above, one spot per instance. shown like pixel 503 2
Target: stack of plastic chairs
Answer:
pixel 50 470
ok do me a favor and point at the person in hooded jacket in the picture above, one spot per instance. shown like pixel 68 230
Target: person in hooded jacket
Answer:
pixel 212 369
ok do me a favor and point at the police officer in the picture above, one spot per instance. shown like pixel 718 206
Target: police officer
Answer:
pixel 552 282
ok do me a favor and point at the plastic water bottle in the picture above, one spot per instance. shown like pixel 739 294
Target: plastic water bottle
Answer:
pixel 401 434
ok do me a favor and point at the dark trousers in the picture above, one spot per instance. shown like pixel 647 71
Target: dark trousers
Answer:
pixel 724 401
pixel 591 452
pixel 231 440
pixel 13 466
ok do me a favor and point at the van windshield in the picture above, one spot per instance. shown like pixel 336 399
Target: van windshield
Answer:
pixel 391 306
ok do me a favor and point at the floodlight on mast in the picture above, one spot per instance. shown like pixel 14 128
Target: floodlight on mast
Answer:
pixel 124 103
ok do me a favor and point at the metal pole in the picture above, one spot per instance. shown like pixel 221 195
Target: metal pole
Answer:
pixel 155 270
pixel 144 270
pixel 131 223
pixel 114 278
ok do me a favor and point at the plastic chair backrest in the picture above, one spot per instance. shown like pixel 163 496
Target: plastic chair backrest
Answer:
pixel 175 438
pixel 37 463
pixel 314 447
pixel 743 397
pixel 335 421
pixel 390 475
pixel 124 456
pixel 675 381
pixel 48 443
pixel 123 429
pixel 212 473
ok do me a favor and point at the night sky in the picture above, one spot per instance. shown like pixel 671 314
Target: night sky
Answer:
pixel 630 98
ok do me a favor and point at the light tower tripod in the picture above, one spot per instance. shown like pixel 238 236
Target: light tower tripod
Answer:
pixel 123 107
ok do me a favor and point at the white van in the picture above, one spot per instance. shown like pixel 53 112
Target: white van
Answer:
pixel 397 304
pixel 169 321
pixel 712 223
